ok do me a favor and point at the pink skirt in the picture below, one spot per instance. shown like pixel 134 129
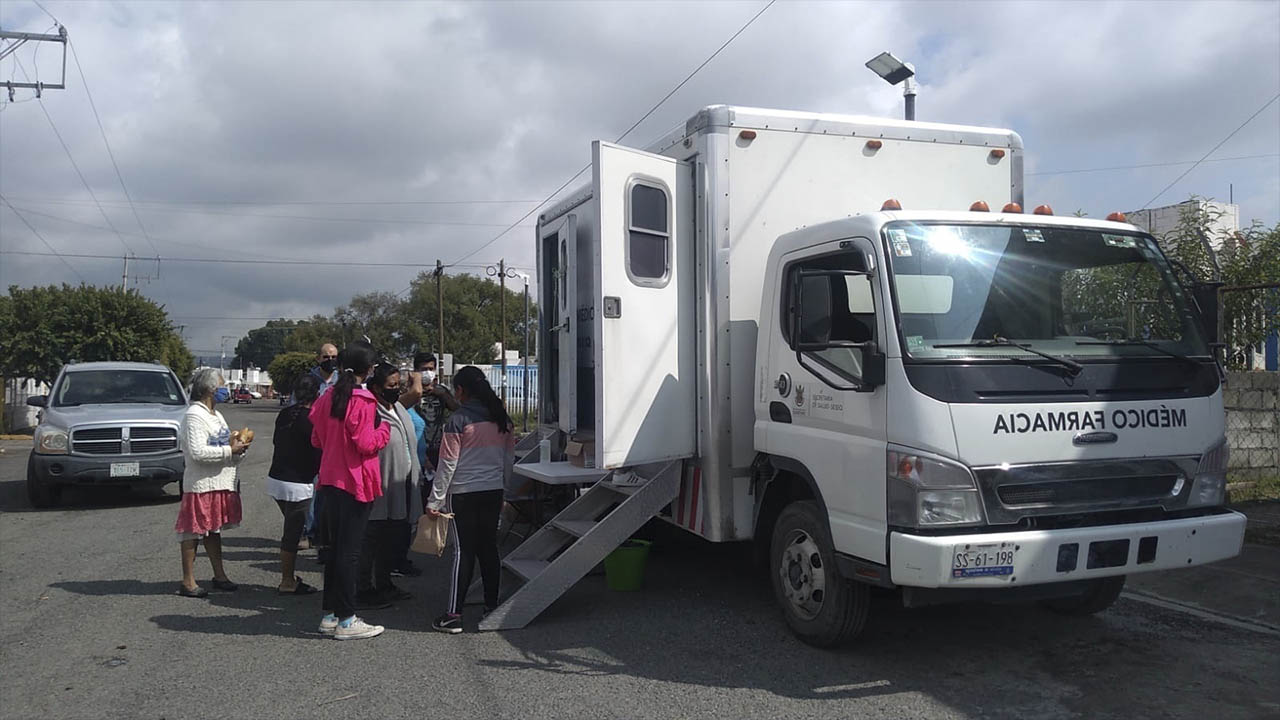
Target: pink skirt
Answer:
pixel 207 512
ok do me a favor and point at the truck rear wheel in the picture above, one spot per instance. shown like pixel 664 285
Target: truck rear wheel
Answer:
pixel 1102 593
pixel 821 607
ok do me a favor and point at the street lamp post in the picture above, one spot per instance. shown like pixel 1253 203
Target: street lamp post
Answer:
pixel 525 372
pixel 895 71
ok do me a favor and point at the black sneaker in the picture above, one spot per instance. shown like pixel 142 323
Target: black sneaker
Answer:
pixel 393 594
pixel 446 623
pixel 407 570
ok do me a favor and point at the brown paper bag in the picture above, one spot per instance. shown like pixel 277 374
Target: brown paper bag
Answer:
pixel 432 534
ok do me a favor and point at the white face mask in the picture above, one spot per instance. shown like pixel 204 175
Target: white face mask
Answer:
pixel 428 377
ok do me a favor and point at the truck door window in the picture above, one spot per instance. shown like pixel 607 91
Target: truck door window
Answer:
pixel 648 234
pixel 852 317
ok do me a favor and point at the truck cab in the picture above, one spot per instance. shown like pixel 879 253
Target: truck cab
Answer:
pixel 982 406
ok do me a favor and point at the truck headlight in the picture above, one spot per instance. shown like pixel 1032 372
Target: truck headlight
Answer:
pixel 929 491
pixel 50 440
pixel 1210 484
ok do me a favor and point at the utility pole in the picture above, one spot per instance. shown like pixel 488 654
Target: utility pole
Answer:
pixel 21 38
pixel 124 278
pixel 440 311
pixel 503 273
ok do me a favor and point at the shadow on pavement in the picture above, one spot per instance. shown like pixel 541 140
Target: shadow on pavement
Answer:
pixel 13 497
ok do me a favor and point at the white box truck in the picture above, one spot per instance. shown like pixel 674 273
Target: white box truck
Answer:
pixel 754 345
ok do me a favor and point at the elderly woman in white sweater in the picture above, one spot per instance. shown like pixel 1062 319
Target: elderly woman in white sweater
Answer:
pixel 210 498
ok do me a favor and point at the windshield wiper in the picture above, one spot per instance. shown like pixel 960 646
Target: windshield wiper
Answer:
pixel 1073 368
pixel 1142 343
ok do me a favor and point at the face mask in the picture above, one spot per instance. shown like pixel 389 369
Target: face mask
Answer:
pixel 428 377
pixel 390 395
pixel 327 365
pixel 221 395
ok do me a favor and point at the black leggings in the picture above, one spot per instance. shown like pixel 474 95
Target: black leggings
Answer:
pixel 475 525
pixel 377 558
pixel 295 516
pixel 341 526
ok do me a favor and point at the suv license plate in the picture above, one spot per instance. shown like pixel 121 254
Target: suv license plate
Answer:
pixel 983 560
pixel 126 470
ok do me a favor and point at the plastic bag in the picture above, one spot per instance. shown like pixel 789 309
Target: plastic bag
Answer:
pixel 432 534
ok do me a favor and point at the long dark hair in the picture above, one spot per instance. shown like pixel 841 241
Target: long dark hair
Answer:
pixel 472 380
pixel 306 389
pixel 355 359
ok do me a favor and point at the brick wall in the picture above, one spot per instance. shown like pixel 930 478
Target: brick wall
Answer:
pixel 1253 424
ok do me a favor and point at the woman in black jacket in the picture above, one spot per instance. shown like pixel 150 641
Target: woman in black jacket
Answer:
pixel 294 465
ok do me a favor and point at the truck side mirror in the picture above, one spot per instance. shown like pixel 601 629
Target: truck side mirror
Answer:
pixel 38 401
pixel 872 370
pixel 1205 295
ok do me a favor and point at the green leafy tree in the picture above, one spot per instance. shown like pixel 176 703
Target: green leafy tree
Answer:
pixel 178 357
pixel 287 367
pixel 261 345
pixel 310 334
pixel 43 328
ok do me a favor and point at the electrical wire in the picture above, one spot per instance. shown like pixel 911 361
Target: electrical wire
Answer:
pixel 241 261
pixel 35 232
pixel 46 12
pixel 621 137
pixel 1230 135
pixel 1151 165
pixel 103 132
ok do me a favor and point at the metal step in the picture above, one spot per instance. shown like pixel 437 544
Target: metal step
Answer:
pixel 562 552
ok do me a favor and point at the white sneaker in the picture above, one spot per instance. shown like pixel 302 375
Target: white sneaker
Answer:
pixel 357 630
pixel 327 626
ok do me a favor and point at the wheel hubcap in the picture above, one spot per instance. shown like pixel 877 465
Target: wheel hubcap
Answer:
pixel 803 578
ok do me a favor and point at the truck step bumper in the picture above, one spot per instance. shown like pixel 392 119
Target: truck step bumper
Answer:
pixel 1049 556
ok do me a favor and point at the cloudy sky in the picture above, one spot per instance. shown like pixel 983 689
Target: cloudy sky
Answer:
pixel 410 131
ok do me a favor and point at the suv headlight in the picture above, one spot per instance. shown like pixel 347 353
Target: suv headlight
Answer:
pixel 50 440
pixel 929 491
pixel 1210 484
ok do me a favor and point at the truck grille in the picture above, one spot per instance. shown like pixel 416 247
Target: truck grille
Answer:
pixel 1011 493
pixel 139 440
pixel 1092 490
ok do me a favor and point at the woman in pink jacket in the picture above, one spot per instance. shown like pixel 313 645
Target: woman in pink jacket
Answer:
pixel 346 428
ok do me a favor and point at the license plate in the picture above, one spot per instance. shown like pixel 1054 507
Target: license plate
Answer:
pixel 994 559
pixel 124 470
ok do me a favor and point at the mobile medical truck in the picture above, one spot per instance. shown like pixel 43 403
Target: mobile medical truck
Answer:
pixel 744 336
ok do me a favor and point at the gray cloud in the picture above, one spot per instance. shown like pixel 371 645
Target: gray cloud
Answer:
pixel 275 102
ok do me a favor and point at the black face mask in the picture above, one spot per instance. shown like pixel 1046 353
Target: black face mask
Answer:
pixel 327 365
pixel 390 395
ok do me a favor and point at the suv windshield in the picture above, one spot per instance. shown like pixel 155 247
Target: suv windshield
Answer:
pixel 105 387
pixel 1064 291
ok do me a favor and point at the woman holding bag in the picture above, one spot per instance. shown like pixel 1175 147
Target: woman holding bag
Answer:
pixel 477 452
pixel 401 500
pixel 349 433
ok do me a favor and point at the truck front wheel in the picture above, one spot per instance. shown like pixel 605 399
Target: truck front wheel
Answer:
pixel 41 495
pixel 1102 593
pixel 821 607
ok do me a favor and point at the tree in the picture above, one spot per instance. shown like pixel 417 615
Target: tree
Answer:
pixel 177 357
pixel 43 328
pixel 262 344
pixel 287 368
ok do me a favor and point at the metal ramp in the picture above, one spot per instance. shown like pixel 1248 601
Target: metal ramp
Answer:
pixel 564 550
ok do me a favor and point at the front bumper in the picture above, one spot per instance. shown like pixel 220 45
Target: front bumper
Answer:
pixel 81 470
pixel 1046 556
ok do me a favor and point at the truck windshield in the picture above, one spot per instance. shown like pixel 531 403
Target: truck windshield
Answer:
pixel 1064 291
pixel 110 387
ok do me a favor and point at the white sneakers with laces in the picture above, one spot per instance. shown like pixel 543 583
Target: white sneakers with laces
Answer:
pixel 358 629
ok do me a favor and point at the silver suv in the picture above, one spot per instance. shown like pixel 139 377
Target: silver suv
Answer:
pixel 106 423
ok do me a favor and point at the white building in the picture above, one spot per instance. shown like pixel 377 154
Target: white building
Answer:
pixel 1158 221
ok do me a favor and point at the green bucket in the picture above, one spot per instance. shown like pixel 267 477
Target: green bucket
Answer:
pixel 624 567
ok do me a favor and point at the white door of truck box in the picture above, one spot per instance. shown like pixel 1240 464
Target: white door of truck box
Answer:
pixel 566 296
pixel 644 316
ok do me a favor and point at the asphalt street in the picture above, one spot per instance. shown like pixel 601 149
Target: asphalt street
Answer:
pixel 90 627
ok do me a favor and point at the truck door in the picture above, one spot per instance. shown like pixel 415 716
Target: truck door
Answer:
pixel 827 401
pixel 644 311
pixel 567 294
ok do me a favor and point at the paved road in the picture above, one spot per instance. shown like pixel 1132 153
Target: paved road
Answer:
pixel 90 627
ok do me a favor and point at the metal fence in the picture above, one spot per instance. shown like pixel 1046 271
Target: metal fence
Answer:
pixel 520 404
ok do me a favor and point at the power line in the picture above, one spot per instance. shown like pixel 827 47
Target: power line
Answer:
pixel 240 261
pixel 75 166
pixel 46 12
pixel 37 234
pixel 1230 135
pixel 103 132
pixel 1151 165
pixel 623 135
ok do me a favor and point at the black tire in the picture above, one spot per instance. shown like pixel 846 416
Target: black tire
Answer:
pixel 1102 594
pixel 41 495
pixel 821 607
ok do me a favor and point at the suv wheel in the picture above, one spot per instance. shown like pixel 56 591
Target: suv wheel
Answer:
pixel 41 495
pixel 822 608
